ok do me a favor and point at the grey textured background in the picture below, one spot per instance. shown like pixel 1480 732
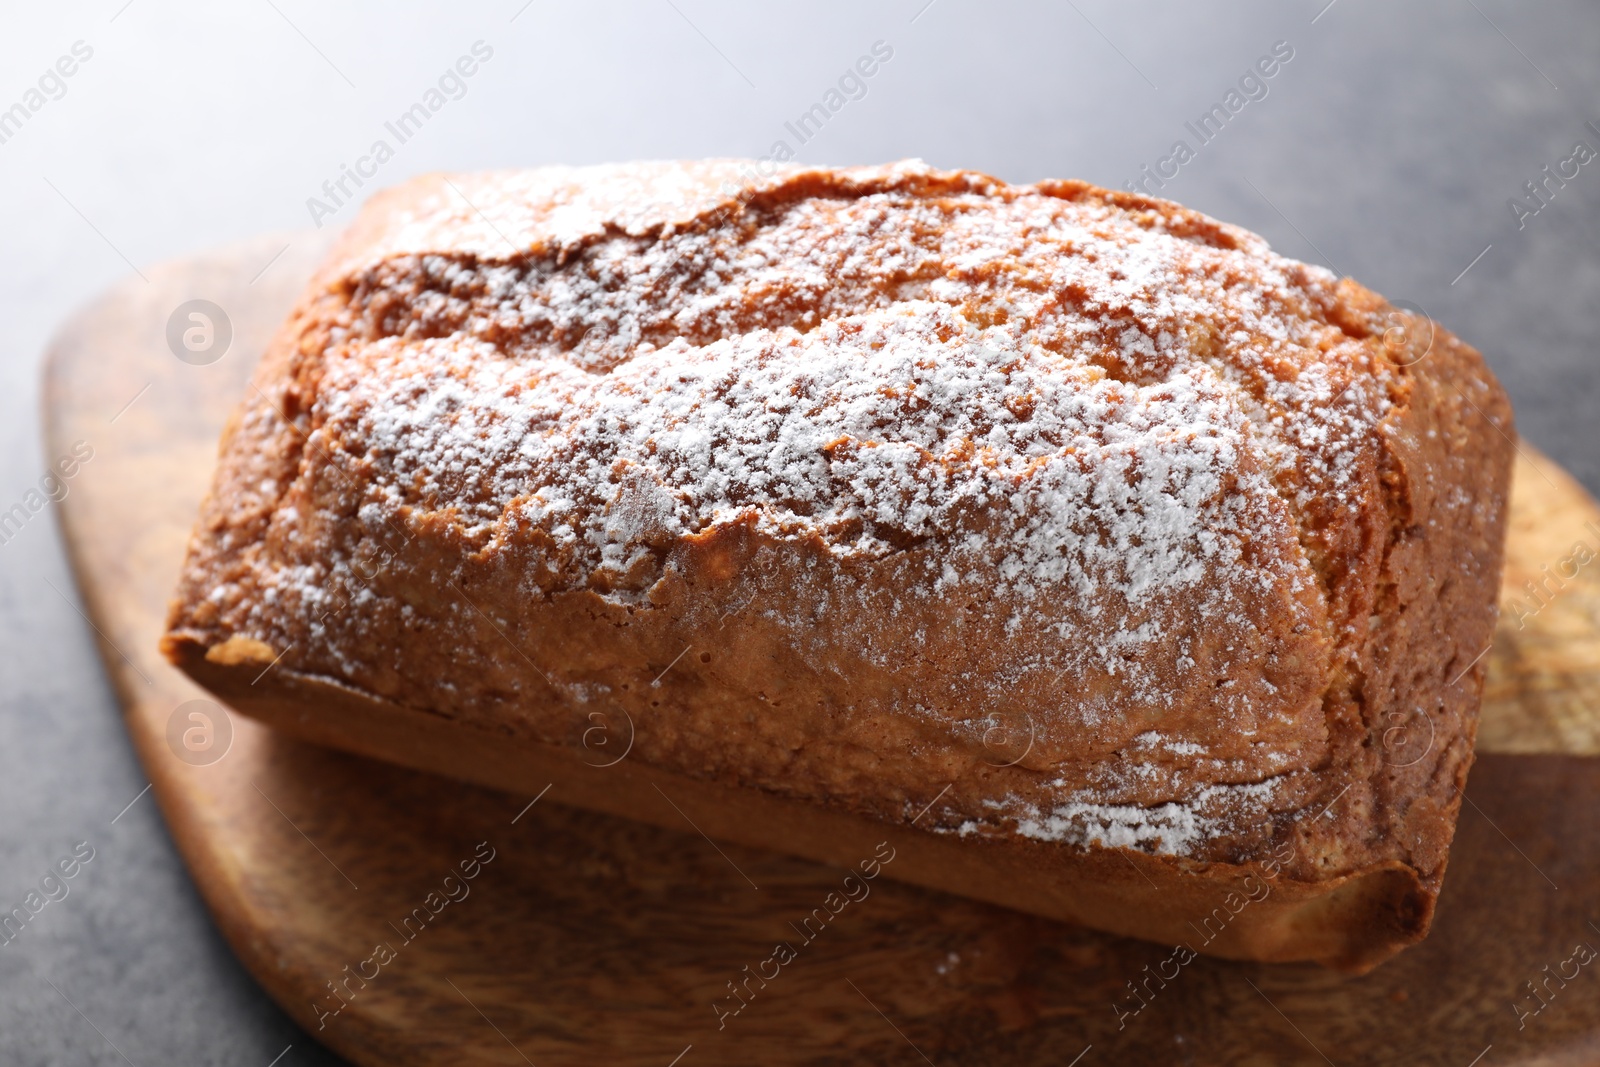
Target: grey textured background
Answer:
pixel 1387 148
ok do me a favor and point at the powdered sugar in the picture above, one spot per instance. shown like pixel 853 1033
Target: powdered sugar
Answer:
pixel 1173 829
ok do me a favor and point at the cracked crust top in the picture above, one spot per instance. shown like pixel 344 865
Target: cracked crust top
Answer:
pixel 848 483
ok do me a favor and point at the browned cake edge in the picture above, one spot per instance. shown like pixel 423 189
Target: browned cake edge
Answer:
pixel 1247 911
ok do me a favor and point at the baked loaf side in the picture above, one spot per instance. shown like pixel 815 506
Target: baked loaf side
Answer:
pixel 845 486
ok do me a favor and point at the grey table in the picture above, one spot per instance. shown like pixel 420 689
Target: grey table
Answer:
pixel 1391 145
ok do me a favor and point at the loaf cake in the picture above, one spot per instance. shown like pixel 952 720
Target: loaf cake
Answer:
pixel 1105 563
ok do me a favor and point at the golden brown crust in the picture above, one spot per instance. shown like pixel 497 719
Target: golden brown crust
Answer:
pixel 845 486
pixel 1250 910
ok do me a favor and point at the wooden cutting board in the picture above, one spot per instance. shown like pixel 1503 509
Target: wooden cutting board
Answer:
pixel 583 939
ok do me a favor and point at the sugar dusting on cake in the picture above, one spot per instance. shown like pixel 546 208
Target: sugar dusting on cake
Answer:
pixel 1176 828
pixel 871 432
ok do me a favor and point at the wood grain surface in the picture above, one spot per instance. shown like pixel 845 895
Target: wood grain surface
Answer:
pixel 581 938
